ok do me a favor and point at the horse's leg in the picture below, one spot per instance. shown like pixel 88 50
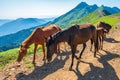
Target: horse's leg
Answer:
pixel 102 41
pixel 73 55
pixel 35 48
pixel 96 43
pixel 65 46
pixel 91 45
pixel 58 47
pixel 84 46
pixel 44 55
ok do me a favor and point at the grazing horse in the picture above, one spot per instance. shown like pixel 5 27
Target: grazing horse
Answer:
pixel 100 35
pixel 104 25
pixel 102 29
pixel 38 36
pixel 74 35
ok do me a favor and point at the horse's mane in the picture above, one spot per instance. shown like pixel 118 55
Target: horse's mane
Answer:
pixel 105 24
pixel 34 32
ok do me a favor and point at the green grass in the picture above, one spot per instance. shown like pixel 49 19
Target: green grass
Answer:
pixel 118 27
pixel 118 14
pixel 11 55
pixel 86 19
pixel 107 19
pixel 29 65
pixel 7 57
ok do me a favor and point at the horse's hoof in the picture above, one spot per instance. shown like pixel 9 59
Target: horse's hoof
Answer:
pixel 79 58
pixel 44 59
pixel 70 69
pixel 33 62
pixel 94 56
pixel 91 50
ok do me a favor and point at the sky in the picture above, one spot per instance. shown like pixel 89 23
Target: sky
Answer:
pixel 12 9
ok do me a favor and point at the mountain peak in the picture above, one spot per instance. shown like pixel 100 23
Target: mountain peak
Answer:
pixel 82 5
pixel 95 5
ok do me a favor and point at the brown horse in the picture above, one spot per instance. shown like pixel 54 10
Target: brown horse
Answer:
pixel 38 36
pixel 74 35
pixel 104 25
pixel 101 32
pixel 102 29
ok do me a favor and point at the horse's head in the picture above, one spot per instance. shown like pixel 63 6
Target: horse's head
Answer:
pixel 51 48
pixel 106 26
pixel 22 52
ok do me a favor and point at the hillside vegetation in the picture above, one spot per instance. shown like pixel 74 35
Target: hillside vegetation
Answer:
pixel 9 56
pixel 94 18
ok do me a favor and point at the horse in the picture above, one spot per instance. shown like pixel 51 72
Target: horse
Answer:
pixel 104 25
pixel 74 35
pixel 102 29
pixel 37 37
pixel 101 32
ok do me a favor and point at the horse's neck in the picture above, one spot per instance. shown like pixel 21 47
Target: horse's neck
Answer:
pixel 28 42
pixel 61 38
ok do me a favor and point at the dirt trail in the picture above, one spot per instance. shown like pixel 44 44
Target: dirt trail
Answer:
pixel 105 67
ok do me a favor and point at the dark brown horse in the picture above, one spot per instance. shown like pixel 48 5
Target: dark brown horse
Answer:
pixel 74 35
pixel 102 29
pixel 101 33
pixel 104 25
pixel 37 37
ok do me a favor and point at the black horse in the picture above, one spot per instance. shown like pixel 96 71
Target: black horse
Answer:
pixel 74 35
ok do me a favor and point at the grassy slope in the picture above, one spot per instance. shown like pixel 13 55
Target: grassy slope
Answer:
pixel 94 19
pixel 11 55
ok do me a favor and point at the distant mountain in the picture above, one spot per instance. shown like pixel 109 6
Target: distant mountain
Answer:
pixel 76 13
pixel 20 24
pixel 112 10
pixel 3 21
pixel 14 40
pixel 49 19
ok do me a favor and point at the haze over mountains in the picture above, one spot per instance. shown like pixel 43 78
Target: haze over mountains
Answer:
pixel 20 24
pixel 3 21
pixel 82 13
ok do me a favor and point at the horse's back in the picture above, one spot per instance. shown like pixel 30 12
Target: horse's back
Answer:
pixel 83 33
pixel 51 29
